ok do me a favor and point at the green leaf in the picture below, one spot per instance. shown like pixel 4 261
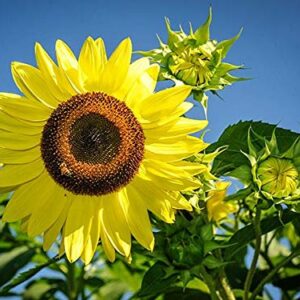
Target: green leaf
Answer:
pixel 213 245
pixel 22 277
pixel 206 232
pixel 246 234
pixel 94 282
pixel 156 280
pixel 212 262
pixel 12 261
pixel 235 137
pixel 38 290
pixel 243 173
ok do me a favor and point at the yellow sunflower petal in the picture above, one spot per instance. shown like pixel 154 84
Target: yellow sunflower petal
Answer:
pixel 142 88
pixel 190 167
pixel 179 111
pixel 24 224
pixel 51 234
pixel 77 226
pixel 31 83
pixel 52 75
pixel 156 200
pixel 169 175
pixel 114 223
pixel 91 65
pixel 14 175
pixel 101 49
pixel 174 150
pixel 8 156
pixel 137 216
pixel 24 200
pixel 179 127
pixel 116 68
pixel 135 70
pixel 108 247
pixel 179 202
pixel 8 123
pixel 93 238
pixel 164 102
pixel 68 63
pixel 52 201
pixel 15 141
pixel 22 108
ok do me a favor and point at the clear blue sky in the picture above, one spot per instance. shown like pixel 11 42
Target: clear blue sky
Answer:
pixel 269 45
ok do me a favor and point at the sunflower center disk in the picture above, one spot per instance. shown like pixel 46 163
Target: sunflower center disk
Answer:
pixel 92 144
pixel 94 139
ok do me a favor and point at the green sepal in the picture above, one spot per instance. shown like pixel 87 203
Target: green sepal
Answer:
pixel 173 37
pixel 202 34
pixel 227 44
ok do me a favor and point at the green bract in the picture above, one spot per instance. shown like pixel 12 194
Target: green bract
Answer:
pixel 272 174
pixel 195 59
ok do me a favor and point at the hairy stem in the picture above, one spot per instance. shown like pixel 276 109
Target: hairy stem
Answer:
pixel 251 271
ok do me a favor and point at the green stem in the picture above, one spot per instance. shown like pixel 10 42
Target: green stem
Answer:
pixel 71 281
pixel 227 291
pixel 80 289
pixel 252 269
pixel 209 282
pixel 273 273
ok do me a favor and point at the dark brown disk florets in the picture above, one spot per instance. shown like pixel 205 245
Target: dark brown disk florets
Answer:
pixel 92 144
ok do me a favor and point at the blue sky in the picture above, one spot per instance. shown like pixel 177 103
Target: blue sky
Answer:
pixel 269 45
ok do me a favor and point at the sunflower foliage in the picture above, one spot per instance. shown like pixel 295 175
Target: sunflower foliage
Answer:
pixel 108 190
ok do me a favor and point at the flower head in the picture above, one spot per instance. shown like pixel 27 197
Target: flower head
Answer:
pixel 278 176
pixel 90 149
pixel 217 208
pixel 272 174
pixel 195 59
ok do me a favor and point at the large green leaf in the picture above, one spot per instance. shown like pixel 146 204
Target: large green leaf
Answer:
pixel 235 137
pixel 246 234
pixel 11 262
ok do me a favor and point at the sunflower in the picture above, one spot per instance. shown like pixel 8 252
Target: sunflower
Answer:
pixel 89 149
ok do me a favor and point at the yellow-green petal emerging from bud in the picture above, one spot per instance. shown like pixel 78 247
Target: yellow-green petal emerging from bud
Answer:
pixel 278 176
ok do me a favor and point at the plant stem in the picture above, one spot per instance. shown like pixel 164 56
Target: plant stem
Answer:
pixel 227 291
pixel 209 282
pixel 71 281
pixel 251 271
pixel 273 273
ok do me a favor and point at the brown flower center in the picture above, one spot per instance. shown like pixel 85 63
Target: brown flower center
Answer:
pixel 92 144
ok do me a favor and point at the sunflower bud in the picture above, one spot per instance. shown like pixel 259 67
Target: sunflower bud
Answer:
pixel 271 176
pixel 195 59
pixel 278 176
